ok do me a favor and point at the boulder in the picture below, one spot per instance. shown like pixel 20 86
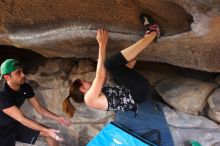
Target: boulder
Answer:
pixel 214 105
pixel 185 94
pixel 67 29
pixel 186 127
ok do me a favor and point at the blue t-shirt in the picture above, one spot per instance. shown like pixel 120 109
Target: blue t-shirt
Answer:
pixel 9 98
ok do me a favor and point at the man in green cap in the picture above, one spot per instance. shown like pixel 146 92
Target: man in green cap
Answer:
pixel 14 126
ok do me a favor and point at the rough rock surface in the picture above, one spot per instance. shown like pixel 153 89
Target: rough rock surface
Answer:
pixel 185 127
pixel 185 94
pixel 214 105
pixel 67 28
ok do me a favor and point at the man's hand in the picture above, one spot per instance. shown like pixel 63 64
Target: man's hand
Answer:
pixel 64 121
pixel 102 37
pixel 46 113
pixel 53 133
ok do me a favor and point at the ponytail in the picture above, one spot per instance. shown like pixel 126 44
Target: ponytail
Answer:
pixel 68 107
pixel 76 95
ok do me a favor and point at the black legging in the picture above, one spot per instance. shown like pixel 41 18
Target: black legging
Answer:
pixel 138 85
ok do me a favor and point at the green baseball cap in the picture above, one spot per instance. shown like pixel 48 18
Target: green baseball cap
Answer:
pixel 9 66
